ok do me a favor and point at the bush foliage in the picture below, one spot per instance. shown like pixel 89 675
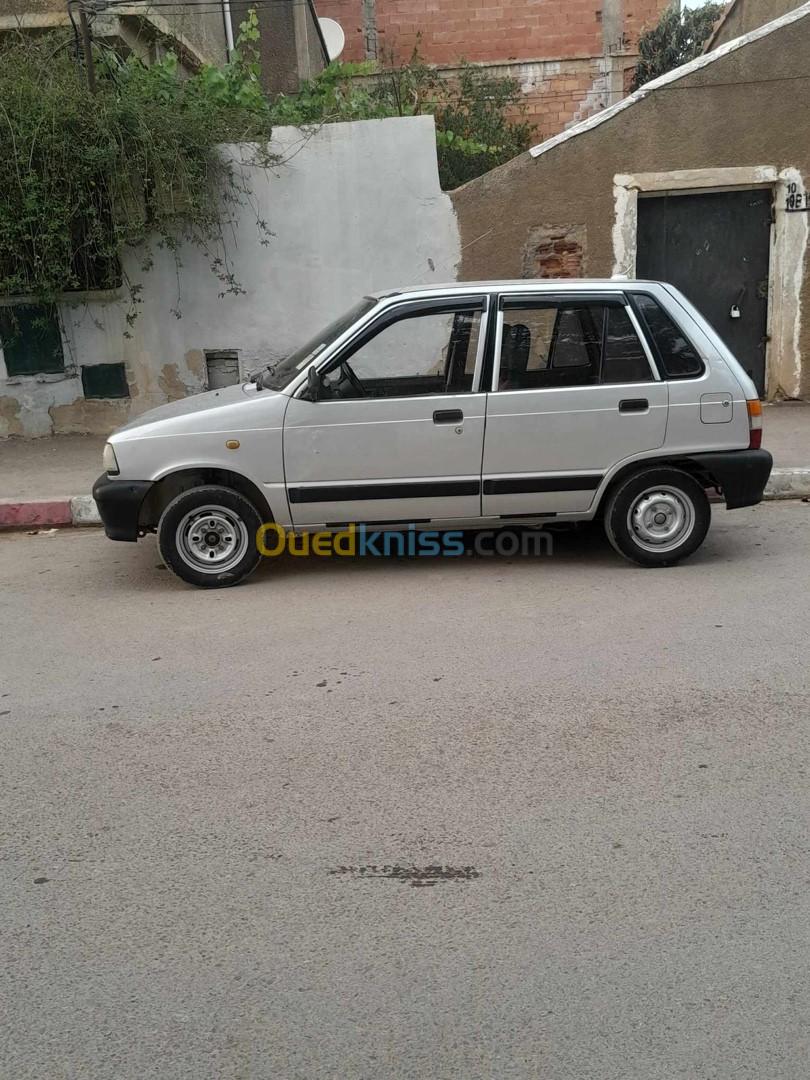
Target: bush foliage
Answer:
pixel 85 175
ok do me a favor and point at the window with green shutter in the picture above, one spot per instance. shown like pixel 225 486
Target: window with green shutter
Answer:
pixel 105 381
pixel 31 340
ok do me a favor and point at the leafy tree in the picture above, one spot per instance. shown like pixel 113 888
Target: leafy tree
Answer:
pixel 678 38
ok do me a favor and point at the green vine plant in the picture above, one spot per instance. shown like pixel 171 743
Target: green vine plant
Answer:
pixel 86 176
pixel 480 118
pixel 136 166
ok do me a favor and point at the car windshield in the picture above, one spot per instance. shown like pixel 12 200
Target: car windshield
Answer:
pixel 277 376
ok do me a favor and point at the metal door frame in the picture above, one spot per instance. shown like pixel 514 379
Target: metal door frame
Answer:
pixel 788 242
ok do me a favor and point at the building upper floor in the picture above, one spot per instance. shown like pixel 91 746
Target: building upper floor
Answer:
pixel 491 31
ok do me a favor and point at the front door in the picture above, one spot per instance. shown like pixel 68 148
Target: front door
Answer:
pixel 397 431
pixel 715 248
pixel 575 392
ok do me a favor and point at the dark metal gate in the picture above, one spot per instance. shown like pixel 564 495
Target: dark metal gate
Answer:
pixel 715 248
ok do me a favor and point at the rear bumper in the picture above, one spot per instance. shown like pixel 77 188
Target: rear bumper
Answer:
pixel 741 475
pixel 119 505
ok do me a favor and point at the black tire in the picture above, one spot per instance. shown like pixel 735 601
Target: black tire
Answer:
pixel 657 517
pixel 187 530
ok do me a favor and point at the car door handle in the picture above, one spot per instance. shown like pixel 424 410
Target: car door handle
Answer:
pixel 448 416
pixel 639 404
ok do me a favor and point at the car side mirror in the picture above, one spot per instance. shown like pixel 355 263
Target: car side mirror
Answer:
pixel 313 384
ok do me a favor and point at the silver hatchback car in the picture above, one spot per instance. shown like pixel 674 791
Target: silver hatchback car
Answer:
pixel 465 406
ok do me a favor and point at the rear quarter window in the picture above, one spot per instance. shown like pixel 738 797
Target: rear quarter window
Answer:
pixel 677 356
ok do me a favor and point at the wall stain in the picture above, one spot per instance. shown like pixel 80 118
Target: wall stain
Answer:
pixel 420 877
pixel 195 362
pixel 10 423
pixel 88 416
pixel 171 384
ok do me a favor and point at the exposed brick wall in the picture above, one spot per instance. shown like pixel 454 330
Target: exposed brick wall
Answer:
pixel 495 30
pixel 559 93
pixel 576 92
pixel 571 57
pixel 555 251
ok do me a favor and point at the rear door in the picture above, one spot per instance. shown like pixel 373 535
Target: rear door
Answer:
pixel 397 432
pixel 574 392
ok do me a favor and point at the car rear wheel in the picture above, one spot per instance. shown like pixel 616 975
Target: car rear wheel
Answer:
pixel 207 537
pixel 657 517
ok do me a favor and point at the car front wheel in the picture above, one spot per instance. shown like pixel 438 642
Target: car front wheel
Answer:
pixel 657 517
pixel 207 537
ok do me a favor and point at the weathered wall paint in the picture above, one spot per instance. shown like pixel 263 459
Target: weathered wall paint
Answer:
pixel 743 16
pixel 725 113
pixel 356 208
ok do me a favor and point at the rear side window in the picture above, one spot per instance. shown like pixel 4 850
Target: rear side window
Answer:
pixel 551 344
pixel 679 359
pixel 569 343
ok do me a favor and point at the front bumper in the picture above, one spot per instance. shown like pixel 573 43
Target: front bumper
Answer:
pixel 741 475
pixel 119 505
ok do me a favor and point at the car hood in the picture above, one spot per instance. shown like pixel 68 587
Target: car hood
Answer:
pixel 196 403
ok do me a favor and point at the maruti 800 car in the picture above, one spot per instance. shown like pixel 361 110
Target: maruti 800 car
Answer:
pixel 465 406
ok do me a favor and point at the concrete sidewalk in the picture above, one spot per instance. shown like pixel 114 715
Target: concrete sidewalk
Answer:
pixel 787 434
pixel 48 481
pixel 54 467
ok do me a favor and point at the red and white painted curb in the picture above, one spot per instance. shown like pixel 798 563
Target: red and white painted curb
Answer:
pixel 82 510
pixel 48 513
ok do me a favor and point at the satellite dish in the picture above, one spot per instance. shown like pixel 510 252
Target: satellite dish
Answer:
pixel 334 38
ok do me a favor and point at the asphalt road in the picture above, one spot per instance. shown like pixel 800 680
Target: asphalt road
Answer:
pixel 469 818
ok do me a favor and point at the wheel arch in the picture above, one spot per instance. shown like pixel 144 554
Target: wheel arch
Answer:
pixel 695 469
pixel 172 484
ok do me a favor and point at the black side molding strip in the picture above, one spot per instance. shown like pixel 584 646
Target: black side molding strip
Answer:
pixel 520 485
pixel 437 489
pixel 520 517
pixel 402 523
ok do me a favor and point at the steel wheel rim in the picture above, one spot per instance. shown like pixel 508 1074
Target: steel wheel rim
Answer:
pixel 661 518
pixel 212 539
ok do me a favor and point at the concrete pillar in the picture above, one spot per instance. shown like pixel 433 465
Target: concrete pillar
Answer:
pixel 279 52
pixel 370 38
pixel 614 46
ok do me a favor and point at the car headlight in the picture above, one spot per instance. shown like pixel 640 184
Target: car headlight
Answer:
pixel 109 460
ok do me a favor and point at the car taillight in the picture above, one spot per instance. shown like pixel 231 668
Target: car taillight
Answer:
pixel 755 423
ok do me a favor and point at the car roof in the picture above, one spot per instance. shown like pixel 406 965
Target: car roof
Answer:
pixel 521 285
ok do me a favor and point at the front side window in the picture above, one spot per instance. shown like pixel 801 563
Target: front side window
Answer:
pixel 679 358
pixel 419 354
pixel 571 343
